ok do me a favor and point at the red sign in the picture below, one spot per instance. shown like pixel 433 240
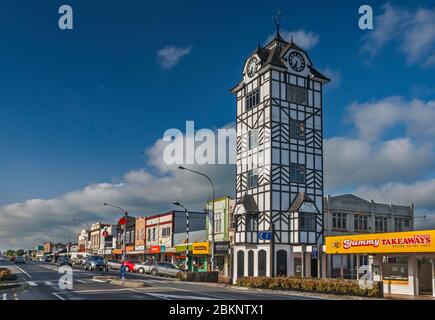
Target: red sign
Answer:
pixel 105 234
pixel 155 249
pixel 122 221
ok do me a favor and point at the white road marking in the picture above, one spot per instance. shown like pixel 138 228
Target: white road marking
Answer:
pixel 23 271
pixel 33 284
pixel 97 280
pixel 82 281
pixel 58 296
pixel 48 283
pixel 5 296
pixel 101 290
pixel 158 281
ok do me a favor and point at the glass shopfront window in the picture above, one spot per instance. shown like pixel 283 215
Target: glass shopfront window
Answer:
pixel 395 268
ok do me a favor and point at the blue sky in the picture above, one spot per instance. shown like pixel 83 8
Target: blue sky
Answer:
pixel 79 107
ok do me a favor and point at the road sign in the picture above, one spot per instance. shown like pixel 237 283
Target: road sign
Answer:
pixel 264 235
pixel 314 252
pixel 122 221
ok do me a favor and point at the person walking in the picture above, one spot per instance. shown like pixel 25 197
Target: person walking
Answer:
pixel 122 271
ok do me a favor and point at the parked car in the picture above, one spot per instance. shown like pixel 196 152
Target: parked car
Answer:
pixel 129 265
pixel 63 261
pixel 94 262
pixel 166 269
pixel 144 267
pixel 78 258
pixel 113 264
pixel 18 260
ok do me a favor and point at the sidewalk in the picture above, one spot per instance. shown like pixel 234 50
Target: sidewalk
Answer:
pixel 408 297
pixel 288 292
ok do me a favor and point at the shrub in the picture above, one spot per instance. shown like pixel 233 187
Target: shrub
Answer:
pixel 330 286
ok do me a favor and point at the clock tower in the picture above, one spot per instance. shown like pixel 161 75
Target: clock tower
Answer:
pixel 279 181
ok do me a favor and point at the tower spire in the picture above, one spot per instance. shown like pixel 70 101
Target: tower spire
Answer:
pixel 277 21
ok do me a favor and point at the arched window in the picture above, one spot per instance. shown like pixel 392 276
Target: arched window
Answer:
pixel 262 263
pixel 240 264
pixel 250 263
pixel 281 263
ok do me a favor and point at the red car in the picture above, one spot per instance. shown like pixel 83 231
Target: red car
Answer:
pixel 129 265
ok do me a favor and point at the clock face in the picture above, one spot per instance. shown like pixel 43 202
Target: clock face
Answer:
pixel 296 61
pixel 252 67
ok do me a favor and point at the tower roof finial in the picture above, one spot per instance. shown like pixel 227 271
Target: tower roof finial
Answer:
pixel 277 20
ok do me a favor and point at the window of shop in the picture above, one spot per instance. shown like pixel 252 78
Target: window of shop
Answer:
pixel 218 222
pixel 154 234
pixel 398 224
pixel 339 221
pixel 395 268
pixel 251 223
pixel 166 232
pixel 360 223
pixel 149 235
pixel 381 224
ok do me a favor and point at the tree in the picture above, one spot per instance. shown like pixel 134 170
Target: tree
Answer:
pixel 20 252
pixel 10 253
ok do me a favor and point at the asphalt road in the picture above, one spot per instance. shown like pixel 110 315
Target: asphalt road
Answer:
pixel 40 281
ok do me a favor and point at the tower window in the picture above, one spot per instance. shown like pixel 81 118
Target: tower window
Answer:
pixel 297 129
pixel 252 99
pixel 307 221
pixel 252 138
pixel 252 177
pixel 297 173
pixel 296 94
pixel 251 223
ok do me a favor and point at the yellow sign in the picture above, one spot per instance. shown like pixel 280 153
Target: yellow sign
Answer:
pixel 200 248
pixel 393 242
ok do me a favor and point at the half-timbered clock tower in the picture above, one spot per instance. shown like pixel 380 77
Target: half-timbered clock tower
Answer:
pixel 279 182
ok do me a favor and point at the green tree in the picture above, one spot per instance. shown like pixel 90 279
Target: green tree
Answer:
pixel 10 253
pixel 20 252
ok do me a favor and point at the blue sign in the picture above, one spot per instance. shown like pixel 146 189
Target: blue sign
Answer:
pixel 264 235
pixel 314 252
pixel 162 249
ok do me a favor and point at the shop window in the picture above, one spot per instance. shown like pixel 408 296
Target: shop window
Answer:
pixel 218 222
pixel 395 268
pixel 166 232
pixel 398 224
pixel 339 221
pixel 360 223
pixel 251 223
pixel 381 224
pixel 240 264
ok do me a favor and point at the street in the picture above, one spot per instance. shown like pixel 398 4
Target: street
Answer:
pixel 40 281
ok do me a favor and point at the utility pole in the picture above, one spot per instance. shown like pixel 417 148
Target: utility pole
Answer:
pixel 124 229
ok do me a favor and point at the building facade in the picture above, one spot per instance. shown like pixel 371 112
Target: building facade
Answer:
pixel 222 222
pixel 349 214
pixel 279 181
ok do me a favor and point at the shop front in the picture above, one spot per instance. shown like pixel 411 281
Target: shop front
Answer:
pixel 404 261
pixel 222 257
pixel 198 256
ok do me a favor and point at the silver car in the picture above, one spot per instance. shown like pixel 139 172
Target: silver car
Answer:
pixel 144 267
pixel 166 269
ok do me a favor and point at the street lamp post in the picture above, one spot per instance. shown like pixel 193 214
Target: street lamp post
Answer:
pixel 212 215
pixel 124 229
pixel 69 239
pixel 187 233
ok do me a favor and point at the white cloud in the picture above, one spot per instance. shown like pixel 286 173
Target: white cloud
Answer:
pixel 413 32
pixel 141 192
pixel 305 39
pixel 334 75
pixel 372 119
pixel 170 56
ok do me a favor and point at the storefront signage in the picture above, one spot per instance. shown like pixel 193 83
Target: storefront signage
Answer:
pixel 129 248
pixel 139 248
pixel 200 248
pixel 155 249
pixel 221 247
pixel 393 242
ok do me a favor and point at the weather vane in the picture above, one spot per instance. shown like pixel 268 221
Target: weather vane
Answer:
pixel 277 20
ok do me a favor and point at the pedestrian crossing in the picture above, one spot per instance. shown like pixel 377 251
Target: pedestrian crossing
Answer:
pixel 54 283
